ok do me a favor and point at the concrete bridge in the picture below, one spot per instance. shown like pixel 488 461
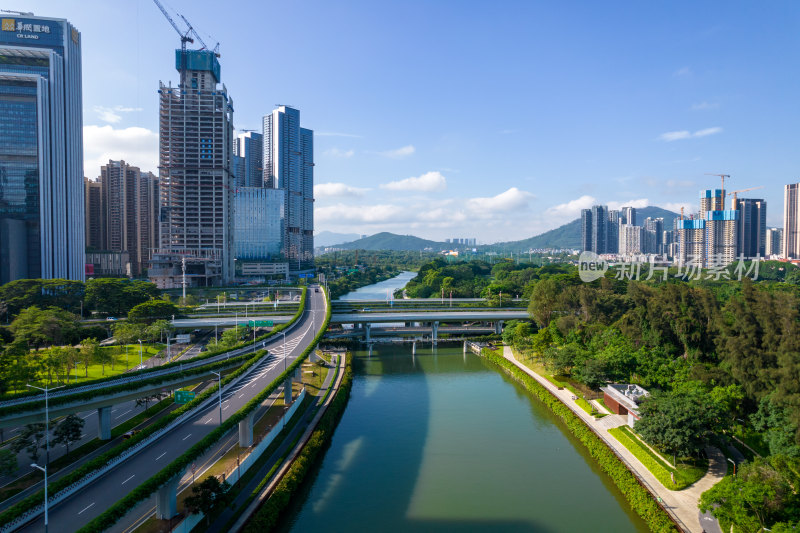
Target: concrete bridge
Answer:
pixel 427 319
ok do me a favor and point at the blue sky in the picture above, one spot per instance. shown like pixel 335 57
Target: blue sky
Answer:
pixel 495 120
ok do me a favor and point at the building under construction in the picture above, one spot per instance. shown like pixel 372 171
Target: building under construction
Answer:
pixel 196 175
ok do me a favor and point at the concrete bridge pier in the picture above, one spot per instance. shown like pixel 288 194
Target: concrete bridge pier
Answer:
pixel 104 422
pixel 435 330
pixel 498 327
pixel 414 348
pixel 367 331
pixel 246 430
pixel 287 390
pixel 166 498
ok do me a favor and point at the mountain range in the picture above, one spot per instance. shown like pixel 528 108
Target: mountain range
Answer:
pixel 566 237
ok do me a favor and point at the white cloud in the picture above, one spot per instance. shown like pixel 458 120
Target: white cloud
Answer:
pixel 399 153
pixel 572 208
pixel 137 146
pixel 325 190
pixel 335 152
pixel 112 114
pixel 683 71
pixel 707 131
pixel 703 106
pixel 639 203
pixel 513 198
pixel 686 134
pixel 355 214
pixel 675 207
pixel 336 134
pixel 430 181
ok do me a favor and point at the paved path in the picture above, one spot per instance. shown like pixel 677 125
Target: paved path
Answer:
pixel 681 504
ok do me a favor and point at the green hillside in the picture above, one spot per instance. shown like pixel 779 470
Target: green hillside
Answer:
pixel 391 241
pixel 568 236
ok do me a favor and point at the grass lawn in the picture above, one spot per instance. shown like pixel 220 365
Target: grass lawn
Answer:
pixel 688 471
pixel 95 371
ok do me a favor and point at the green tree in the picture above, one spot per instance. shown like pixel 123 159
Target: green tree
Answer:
pixel 679 422
pixel 762 493
pixel 91 352
pixel 44 327
pixel 544 301
pixel 114 296
pixel 30 439
pixel 8 462
pixel 149 312
pixel 207 496
pixel 69 430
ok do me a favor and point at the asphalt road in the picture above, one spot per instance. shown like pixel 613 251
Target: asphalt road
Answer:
pixel 92 500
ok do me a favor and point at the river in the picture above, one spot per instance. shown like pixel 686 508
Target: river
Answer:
pixel 443 441
pixel 377 291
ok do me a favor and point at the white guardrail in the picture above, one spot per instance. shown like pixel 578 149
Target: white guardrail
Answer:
pixel 131 379
pixel 139 446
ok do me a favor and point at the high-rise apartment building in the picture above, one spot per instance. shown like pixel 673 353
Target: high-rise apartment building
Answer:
pixel 586 229
pixel 288 157
pixel 654 236
pixel 196 174
pixel 599 229
pixel 691 241
pixel 248 147
pixel 712 238
pixel 791 221
pixel 95 214
pixel 774 242
pixel 630 239
pixel 628 216
pixel 41 150
pixel 712 200
pixel 613 232
pixel 722 237
pixel 752 226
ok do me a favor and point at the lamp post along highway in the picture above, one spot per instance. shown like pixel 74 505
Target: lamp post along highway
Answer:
pixel 140 353
pixel 34 465
pixel 219 390
pixel 76 370
pixel 46 419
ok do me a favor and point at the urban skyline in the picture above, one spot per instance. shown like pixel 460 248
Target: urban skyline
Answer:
pixel 681 99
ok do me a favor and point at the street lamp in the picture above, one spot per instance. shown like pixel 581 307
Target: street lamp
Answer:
pixel 34 465
pixel 46 417
pixel 219 389
pixel 140 353
pixel 733 463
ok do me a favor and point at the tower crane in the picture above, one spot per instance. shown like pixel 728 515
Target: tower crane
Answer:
pixel 722 177
pixel 184 35
pixel 734 193
pixel 197 36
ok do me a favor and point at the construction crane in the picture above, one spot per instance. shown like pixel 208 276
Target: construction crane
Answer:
pixel 722 177
pixel 184 35
pixel 23 13
pixel 734 193
pixel 197 36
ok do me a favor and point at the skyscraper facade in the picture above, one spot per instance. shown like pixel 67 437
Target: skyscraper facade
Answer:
pixel 629 216
pixel 41 150
pixel 654 236
pixel 791 221
pixel 774 242
pixel 95 214
pixel 259 223
pixel 586 229
pixel 752 226
pixel 196 173
pixel 613 232
pixel 249 148
pixel 288 157
pixel 599 229
pixel 630 239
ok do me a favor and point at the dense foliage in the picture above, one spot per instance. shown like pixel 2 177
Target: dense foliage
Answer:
pixel 346 271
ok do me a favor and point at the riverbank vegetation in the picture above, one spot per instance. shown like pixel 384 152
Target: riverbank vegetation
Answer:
pixel 348 270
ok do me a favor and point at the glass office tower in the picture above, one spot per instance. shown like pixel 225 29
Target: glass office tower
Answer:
pixel 41 150
pixel 259 223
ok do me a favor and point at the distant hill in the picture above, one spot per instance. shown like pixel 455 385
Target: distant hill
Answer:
pixel 391 241
pixel 565 237
pixel 329 238
pixel 568 236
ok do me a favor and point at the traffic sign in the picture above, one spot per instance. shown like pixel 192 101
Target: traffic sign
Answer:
pixel 184 396
pixel 258 323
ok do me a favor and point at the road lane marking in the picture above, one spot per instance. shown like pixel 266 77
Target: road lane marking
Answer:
pixel 225 407
pixel 160 456
pixel 209 420
pixel 87 416
pixel 187 436
pixel 242 394
pixel 123 414
pixel 130 478
pixel 87 507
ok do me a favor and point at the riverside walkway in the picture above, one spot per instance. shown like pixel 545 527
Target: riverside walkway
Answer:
pixel 681 504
